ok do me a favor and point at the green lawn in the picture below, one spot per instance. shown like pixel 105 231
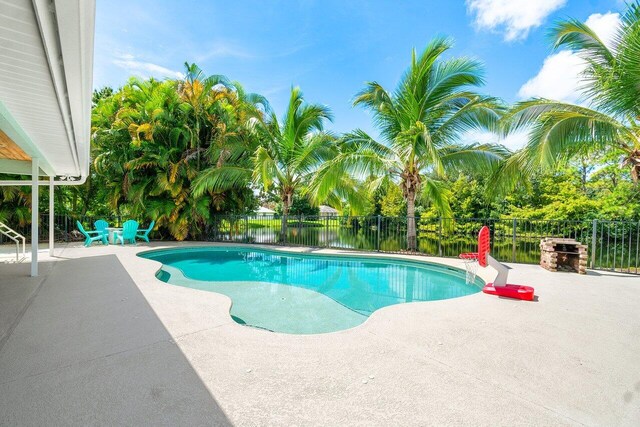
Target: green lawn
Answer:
pixel 275 223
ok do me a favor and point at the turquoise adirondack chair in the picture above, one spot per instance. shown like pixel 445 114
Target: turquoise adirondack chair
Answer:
pixel 92 235
pixel 144 234
pixel 101 225
pixel 129 230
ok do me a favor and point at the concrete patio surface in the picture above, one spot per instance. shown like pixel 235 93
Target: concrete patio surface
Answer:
pixel 97 339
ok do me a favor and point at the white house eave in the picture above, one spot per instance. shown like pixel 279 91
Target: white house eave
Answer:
pixel 13 130
pixel 65 29
pixel 51 39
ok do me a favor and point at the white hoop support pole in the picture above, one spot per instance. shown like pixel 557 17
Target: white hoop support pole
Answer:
pixel 503 271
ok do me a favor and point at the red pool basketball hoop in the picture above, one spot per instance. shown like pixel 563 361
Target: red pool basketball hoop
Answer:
pixel 499 286
pixel 484 245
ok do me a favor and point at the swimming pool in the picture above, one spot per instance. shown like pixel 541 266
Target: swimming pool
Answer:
pixel 304 293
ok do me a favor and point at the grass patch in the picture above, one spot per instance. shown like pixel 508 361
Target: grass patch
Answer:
pixel 275 223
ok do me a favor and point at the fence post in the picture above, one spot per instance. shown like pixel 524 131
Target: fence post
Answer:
pixel 246 228
pixel 514 240
pixel 326 232
pixel 378 235
pixel 594 239
pixel 440 238
pixel 286 230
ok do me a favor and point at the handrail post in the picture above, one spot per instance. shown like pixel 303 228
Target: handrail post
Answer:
pixel 514 240
pixel 12 234
pixel 378 237
pixel 594 242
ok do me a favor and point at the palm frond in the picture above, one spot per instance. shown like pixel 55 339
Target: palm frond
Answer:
pixel 220 179
pixel 437 193
pixel 577 36
pixel 472 158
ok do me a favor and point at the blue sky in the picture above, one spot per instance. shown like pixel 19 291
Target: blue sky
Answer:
pixel 330 48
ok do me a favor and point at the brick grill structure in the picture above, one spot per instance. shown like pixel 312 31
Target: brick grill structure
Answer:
pixel 563 255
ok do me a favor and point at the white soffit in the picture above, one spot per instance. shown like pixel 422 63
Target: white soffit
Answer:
pixel 46 74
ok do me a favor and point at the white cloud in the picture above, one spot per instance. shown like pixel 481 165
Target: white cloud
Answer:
pixel 513 141
pixel 513 17
pixel 605 26
pixel 222 50
pixel 516 140
pixel 559 77
pixel 144 69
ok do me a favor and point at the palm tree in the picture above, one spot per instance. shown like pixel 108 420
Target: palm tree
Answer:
pixel 558 131
pixel 153 138
pixel 289 154
pixel 421 122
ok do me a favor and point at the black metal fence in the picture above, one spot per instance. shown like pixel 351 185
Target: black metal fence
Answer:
pixel 613 245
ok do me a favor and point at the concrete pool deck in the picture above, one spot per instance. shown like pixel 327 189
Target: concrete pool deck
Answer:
pixel 97 339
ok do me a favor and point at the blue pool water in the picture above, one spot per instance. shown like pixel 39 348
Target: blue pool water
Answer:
pixel 307 294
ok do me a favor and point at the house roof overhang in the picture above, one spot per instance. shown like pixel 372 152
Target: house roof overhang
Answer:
pixel 46 77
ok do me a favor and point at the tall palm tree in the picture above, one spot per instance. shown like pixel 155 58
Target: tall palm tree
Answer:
pixel 289 154
pixel 422 123
pixel 558 131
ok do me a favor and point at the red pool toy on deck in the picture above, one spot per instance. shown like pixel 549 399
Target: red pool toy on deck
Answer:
pixel 499 286
pixel 510 291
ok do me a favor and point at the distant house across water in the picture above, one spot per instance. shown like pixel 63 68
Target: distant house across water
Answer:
pixel 266 213
pixel 327 211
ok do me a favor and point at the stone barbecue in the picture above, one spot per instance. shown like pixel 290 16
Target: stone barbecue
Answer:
pixel 563 255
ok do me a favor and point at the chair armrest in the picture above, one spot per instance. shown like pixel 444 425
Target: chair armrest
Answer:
pixel 94 232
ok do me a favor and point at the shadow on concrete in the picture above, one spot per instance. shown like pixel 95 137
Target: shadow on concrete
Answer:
pixel 83 346
pixel 619 274
pixel 17 289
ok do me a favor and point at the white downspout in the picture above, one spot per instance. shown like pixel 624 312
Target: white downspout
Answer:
pixel 35 170
pixel 51 218
pixel 18 182
pixel 24 183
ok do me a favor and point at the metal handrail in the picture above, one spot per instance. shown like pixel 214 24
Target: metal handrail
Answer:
pixel 16 237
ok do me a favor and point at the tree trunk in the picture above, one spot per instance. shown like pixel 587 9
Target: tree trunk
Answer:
pixel 410 187
pixel 635 166
pixel 283 223
pixel 412 239
pixel 287 200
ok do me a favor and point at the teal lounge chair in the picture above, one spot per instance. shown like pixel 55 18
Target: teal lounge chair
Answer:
pixel 101 225
pixel 144 234
pixel 92 236
pixel 129 230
